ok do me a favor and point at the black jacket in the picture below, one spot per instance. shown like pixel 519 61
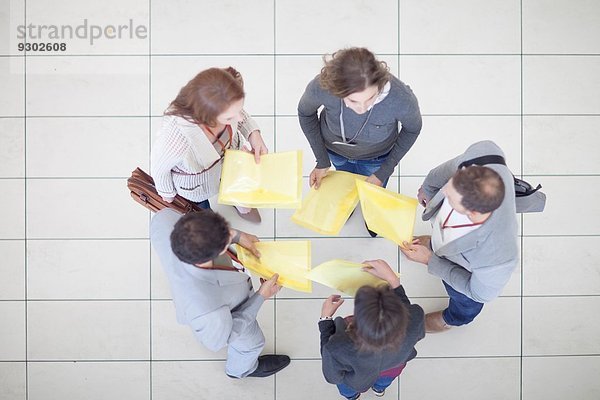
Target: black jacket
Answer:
pixel 343 363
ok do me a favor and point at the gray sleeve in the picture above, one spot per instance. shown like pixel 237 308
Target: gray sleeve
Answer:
pixel 222 326
pixel 439 176
pixel 309 122
pixel 411 127
pixel 484 284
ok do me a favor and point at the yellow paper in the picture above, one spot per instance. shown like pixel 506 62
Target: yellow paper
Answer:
pixel 290 259
pixel 345 276
pixel 274 183
pixel 327 209
pixel 390 214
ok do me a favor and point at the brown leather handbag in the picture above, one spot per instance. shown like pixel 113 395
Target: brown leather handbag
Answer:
pixel 143 191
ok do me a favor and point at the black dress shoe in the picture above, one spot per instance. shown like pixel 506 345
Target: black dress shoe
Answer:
pixel 270 364
pixel 373 234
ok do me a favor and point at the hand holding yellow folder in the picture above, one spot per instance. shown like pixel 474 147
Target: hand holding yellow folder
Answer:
pixel 389 214
pixel 326 210
pixel 290 259
pixel 345 276
pixel 275 182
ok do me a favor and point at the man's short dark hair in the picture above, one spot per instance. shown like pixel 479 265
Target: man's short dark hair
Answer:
pixel 482 189
pixel 199 237
pixel 380 319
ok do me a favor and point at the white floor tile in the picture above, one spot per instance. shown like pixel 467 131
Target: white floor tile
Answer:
pixel 86 147
pixel 88 269
pixel 12 270
pixel 214 27
pixel 560 326
pixel 88 330
pixel 12 79
pixel 89 380
pixel 297 328
pixel 461 379
pixel 445 137
pixel 12 212
pixel 562 194
pixel 12 15
pixel 12 331
pixel 575 137
pixel 87 86
pixel 464 84
pixel 89 208
pixel 13 384
pixel 170 74
pixel 566 27
pixel 547 90
pixel 172 341
pixel 556 378
pixel 494 332
pixel 97 28
pixel 548 272
pixel 205 380
pixel 12 147
pixel 433 27
pixel 290 137
pixel 335 25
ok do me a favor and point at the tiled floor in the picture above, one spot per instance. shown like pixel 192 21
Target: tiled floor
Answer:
pixel 84 306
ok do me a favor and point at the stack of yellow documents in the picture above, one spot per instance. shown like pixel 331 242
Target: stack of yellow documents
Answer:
pixel 276 182
pixel 291 260
pixel 327 209
pixel 390 214
pixel 344 276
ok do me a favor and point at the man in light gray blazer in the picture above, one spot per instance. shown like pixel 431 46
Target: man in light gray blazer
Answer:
pixel 473 245
pixel 211 296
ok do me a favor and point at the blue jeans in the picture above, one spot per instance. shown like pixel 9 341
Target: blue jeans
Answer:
pixel 204 204
pixel 461 309
pixel 360 167
pixel 384 380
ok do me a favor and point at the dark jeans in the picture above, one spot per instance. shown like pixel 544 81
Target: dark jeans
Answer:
pixel 461 309
pixel 360 167
pixel 204 204
pixel 384 380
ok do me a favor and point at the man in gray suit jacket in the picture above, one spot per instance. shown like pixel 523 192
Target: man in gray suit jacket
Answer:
pixel 473 246
pixel 211 296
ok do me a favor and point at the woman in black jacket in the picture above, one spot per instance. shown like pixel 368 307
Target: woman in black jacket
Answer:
pixel 370 348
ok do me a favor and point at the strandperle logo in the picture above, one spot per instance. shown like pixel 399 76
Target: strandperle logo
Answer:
pixel 90 32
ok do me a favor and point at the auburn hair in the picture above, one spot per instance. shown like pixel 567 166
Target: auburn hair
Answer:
pixel 208 95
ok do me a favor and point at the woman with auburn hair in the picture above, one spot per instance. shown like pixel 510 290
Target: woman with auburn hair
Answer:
pixel 205 119
pixel 371 348
pixel 369 121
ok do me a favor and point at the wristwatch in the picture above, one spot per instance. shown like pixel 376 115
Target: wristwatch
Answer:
pixel 325 318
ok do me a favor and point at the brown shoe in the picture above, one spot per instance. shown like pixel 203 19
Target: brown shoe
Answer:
pixel 434 323
pixel 252 216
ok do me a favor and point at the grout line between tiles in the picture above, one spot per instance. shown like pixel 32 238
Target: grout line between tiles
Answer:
pixel 279 55
pixel 521 215
pixel 150 365
pixel 26 263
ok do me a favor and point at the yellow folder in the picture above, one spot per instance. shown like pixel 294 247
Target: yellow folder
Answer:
pixel 290 259
pixel 327 209
pixel 391 215
pixel 274 183
pixel 345 276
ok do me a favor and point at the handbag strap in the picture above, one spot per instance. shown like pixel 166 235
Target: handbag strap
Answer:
pixel 224 146
pixel 483 160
